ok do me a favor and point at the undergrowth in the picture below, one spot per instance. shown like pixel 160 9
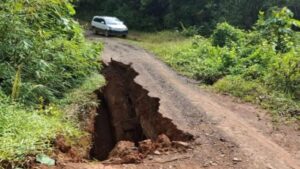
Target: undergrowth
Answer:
pixel 46 67
pixel 83 94
pixel 261 66
pixel 26 131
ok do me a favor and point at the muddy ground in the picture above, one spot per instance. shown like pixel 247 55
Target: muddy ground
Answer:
pixel 221 132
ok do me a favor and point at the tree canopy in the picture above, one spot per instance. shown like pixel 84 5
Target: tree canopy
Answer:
pixel 161 14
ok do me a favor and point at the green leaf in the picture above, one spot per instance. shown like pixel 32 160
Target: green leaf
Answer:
pixel 296 23
pixel 44 159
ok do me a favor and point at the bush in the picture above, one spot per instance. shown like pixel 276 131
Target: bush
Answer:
pixel 284 73
pixel 43 55
pixel 41 41
pixel 276 27
pixel 227 35
pixel 213 64
pixel 252 61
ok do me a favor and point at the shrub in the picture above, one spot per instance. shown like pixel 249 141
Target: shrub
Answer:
pixel 41 37
pixel 214 63
pixel 227 35
pixel 276 27
pixel 284 73
pixel 252 61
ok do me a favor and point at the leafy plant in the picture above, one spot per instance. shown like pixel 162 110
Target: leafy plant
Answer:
pixel 42 36
pixel 227 35
pixel 284 73
pixel 276 27
pixel 43 56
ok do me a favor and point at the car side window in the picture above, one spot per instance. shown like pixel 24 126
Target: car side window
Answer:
pixel 99 20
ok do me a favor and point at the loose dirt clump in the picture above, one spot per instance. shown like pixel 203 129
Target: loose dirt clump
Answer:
pixel 126 152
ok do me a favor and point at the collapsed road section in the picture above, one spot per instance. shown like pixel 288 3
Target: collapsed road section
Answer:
pixel 128 113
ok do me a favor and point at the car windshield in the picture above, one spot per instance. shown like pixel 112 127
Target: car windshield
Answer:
pixel 113 21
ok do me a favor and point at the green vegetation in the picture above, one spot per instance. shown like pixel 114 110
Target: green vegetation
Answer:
pixel 82 95
pixel 259 66
pixel 202 16
pixel 25 131
pixel 44 60
pixel 40 41
pixel 48 70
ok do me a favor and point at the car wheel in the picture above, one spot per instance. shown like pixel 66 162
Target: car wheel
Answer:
pixel 124 36
pixel 106 33
pixel 95 31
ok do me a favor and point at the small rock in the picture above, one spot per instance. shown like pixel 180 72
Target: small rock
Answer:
pixel 206 164
pixel 179 144
pixel 156 152
pixel 223 139
pixel 213 163
pixel 269 166
pixel 235 159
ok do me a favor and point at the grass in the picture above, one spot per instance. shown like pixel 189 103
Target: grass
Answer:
pixel 165 45
pixel 178 52
pixel 29 131
pixel 26 131
pixel 83 94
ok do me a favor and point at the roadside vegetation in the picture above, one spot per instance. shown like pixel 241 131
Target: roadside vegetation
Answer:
pixel 48 70
pixel 261 65
pixel 45 66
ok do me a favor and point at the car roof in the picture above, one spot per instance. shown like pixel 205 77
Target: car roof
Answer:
pixel 105 17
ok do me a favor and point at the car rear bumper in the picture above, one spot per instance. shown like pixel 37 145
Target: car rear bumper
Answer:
pixel 114 32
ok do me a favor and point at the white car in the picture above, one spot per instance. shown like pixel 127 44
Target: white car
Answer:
pixel 108 25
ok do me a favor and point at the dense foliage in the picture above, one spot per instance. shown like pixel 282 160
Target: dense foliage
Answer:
pixel 161 14
pixel 260 66
pixel 43 56
pixel 43 49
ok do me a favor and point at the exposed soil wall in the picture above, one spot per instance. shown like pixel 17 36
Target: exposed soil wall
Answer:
pixel 128 113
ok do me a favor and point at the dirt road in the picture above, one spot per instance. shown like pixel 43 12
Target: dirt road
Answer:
pixel 227 134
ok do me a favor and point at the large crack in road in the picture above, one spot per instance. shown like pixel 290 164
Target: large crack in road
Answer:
pixel 227 134
pixel 127 113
